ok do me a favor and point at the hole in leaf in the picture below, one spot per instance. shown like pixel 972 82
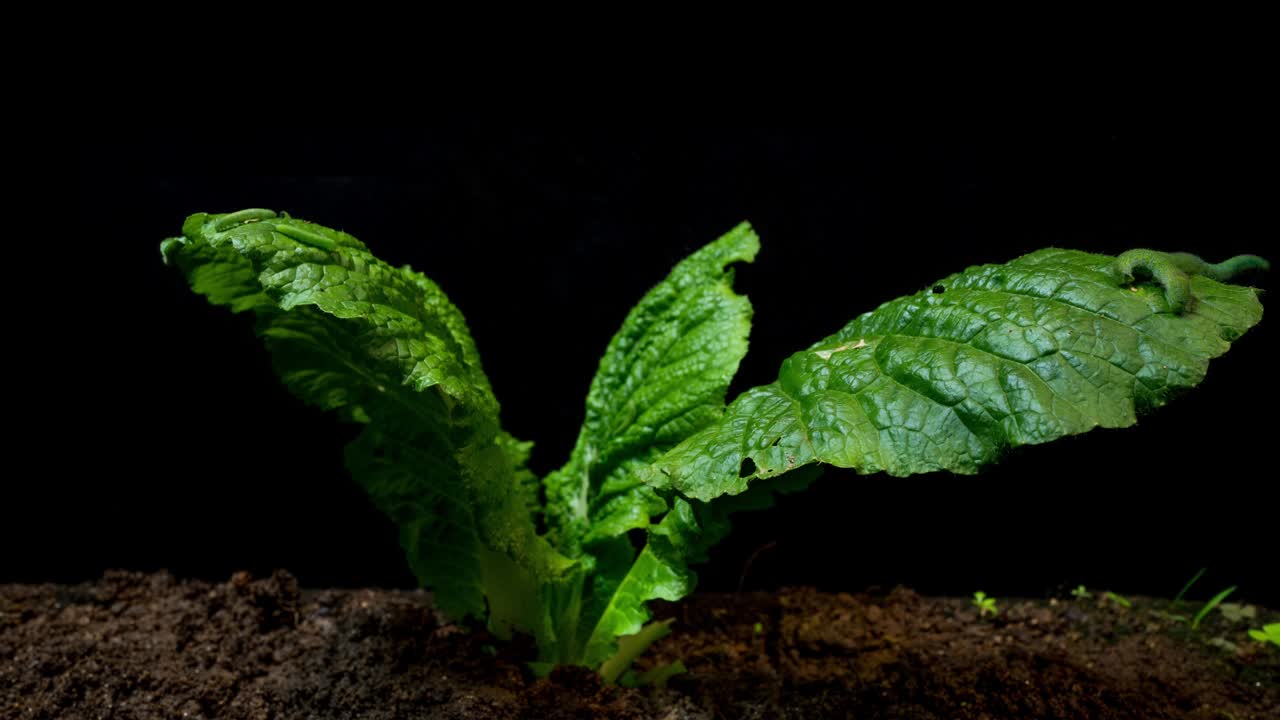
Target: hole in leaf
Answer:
pixel 747 468
pixel 938 289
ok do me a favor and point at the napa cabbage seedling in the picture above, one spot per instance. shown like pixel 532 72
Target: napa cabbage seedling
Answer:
pixel 1268 634
pixel 1051 344
pixel 986 605
pixel 1120 600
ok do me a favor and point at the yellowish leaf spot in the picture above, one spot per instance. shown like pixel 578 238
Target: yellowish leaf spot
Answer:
pixel 826 354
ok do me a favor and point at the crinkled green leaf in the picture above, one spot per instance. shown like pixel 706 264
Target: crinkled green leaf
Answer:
pixel 661 569
pixel 998 356
pixel 663 376
pixel 384 346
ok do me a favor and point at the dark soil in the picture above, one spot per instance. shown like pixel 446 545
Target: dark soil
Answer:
pixel 149 646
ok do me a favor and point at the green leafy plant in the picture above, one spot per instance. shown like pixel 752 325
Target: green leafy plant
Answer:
pixel 1052 344
pixel 1268 634
pixel 986 605
pixel 1080 593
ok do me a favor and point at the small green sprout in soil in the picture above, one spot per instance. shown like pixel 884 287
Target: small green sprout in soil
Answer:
pixel 1268 634
pixel 1183 592
pixel 1209 606
pixel 1237 612
pixel 1118 600
pixel 1080 593
pixel 986 605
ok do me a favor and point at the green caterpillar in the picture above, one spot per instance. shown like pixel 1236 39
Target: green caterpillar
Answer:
pixel 281 224
pixel 1174 271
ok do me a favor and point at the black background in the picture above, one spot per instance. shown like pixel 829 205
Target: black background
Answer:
pixel 167 442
